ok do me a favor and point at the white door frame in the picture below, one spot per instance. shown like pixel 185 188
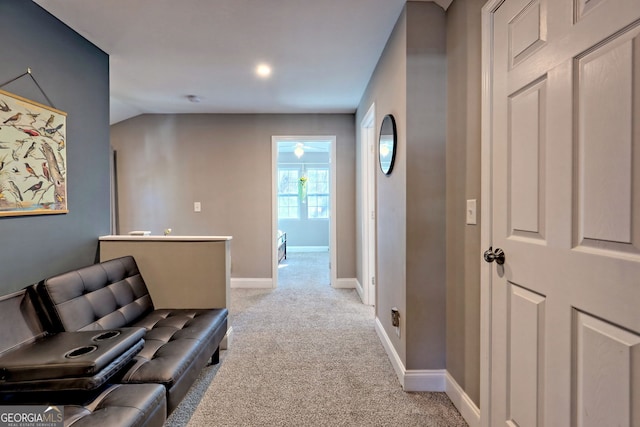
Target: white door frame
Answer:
pixel 332 202
pixel 367 289
pixel 486 212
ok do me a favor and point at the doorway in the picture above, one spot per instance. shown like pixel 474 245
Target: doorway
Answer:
pixel 303 200
pixel 367 289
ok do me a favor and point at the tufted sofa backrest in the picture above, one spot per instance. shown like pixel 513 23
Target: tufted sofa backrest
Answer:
pixel 108 295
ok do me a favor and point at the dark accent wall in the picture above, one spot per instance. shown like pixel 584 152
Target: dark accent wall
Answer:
pixel 75 76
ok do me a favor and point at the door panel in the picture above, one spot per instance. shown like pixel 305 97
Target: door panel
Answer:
pixel 526 145
pixel 604 81
pixel 565 182
pixel 527 32
pixel 606 366
pixel 526 359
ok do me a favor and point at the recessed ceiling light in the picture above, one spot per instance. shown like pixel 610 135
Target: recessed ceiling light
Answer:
pixel 263 70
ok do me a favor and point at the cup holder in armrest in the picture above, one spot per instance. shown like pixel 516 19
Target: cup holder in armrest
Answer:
pixel 81 351
pixel 106 336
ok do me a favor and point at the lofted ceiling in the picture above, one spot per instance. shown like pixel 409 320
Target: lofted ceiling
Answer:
pixel 322 52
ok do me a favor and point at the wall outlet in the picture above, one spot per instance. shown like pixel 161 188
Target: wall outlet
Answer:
pixel 395 319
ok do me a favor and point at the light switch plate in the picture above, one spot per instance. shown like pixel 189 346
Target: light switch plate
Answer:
pixel 197 207
pixel 471 212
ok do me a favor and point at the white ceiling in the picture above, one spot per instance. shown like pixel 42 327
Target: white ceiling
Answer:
pixel 322 52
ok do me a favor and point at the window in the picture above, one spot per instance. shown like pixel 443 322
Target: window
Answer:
pixel 312 203
pixel 318 193
pixel 288 201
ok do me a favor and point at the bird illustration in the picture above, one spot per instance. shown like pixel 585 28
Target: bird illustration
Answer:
pixel 49 121
pixel 30 132
pixel 33 116
pixel 29 150
pixel 4 107
pixel 15 170
pixel 13 118
pixel 51 131
pixel 34 188
pixel 61 160
pixel 22 141
pixel 45 171
pixel 15 190
pixel 60 145
pixel 30 170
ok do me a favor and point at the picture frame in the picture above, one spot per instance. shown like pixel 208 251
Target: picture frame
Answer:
pixel 33 157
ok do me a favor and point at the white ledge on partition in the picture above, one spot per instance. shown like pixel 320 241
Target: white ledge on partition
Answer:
pixel 166 238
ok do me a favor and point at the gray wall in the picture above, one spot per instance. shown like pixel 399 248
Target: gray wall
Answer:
pixel 409 82
pixel 463 182
pixel 387 89
pixel 166 162
pixel 425 168
pixel 74 75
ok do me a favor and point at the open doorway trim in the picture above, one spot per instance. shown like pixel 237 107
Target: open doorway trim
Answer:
pixel 367 290
pixel 332 201
pixel 486 213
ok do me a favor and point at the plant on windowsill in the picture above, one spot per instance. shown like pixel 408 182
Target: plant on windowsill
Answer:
pixel 302 188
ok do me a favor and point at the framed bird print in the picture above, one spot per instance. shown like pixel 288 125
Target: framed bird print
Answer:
pixel 33 158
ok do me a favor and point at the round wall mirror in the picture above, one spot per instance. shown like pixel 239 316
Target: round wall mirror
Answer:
pixel 387 144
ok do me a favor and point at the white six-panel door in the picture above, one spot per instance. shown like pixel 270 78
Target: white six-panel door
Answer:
pixel 565 208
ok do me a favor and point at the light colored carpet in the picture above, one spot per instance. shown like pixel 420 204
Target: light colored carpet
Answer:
pixel 306 354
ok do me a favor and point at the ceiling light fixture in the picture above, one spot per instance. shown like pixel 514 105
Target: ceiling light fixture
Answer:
pixel 263 70
pixel 298 151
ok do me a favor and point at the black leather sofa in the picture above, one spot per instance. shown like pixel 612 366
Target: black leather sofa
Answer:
pixel 97 345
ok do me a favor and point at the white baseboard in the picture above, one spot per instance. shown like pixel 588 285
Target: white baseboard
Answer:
pixel 252 283
pixel 414 379
pixel 397 364
pixel 350 283
pixel 307 248
pixel 467 408
pixel 267 283
pixel 425 380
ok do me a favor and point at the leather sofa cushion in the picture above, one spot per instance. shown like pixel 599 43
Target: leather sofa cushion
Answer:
pixel 133 405
pixel 71 383
pixel 173 340
pixel 107 295
pixel 67 354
